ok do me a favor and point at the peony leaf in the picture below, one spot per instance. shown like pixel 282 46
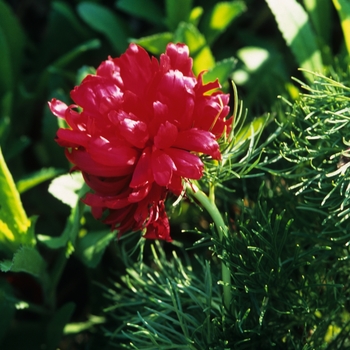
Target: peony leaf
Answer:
pixel 26 259
pixel 155 44
pixel 14 223
pixel 220 17
pixel 90 248
pixel 148 10
pixel 103 20
pixel 294 24
pixel 177 11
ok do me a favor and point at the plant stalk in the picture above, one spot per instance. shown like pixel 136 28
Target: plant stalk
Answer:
pixel 209 204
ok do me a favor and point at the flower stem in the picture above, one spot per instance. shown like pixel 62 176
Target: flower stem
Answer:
pixel 208 202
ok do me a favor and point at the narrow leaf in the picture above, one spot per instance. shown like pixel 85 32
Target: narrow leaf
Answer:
pixel 294 24
pixel 148 10
pixel 103 20
pixel 36 178
pixel 56 325
pixel 320 12
pixel 13 34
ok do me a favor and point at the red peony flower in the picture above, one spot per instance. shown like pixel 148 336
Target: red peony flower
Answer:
pixel 136 130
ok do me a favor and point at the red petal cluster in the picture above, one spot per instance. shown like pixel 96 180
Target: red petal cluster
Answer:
pixel 135 132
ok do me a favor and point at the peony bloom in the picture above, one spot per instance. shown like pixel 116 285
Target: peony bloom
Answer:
pixel 136 131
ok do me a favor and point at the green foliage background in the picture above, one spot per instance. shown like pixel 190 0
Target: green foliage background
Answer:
pixel 282 188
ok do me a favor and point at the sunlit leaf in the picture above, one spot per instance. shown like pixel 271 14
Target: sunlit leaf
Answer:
pixel 294 24
pixel 220 17
pixel 196 15
pixel 148 10
pixel 66 188
pixel 13 219
pixel 343 8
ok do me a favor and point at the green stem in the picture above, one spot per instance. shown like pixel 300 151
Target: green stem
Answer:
pixel 209 204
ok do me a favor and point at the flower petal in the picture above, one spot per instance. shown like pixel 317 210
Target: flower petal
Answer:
pixel 162 167
pixel 179 58
pixel 58 108
pixel 198 141
pixel 166 135
pixel 71 138
pixel 112 154
pixel 84 162
pixel 143 171
pixel 187 164
pixel 134 131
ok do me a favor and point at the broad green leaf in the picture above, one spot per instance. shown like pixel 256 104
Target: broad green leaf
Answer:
pixel 221 71
pixel 36 178
pixel 203 58
pixel 177 11
pixel 90 248
pixel 103 20
pixel 148 10
pixel 220 17
pixel 294 24
pixel 56 325
pixel 14 223
pixel 320 12
pixel 155 44
pixel 343 8
pixel 66 188
pixel 26 259
pixel 12 33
